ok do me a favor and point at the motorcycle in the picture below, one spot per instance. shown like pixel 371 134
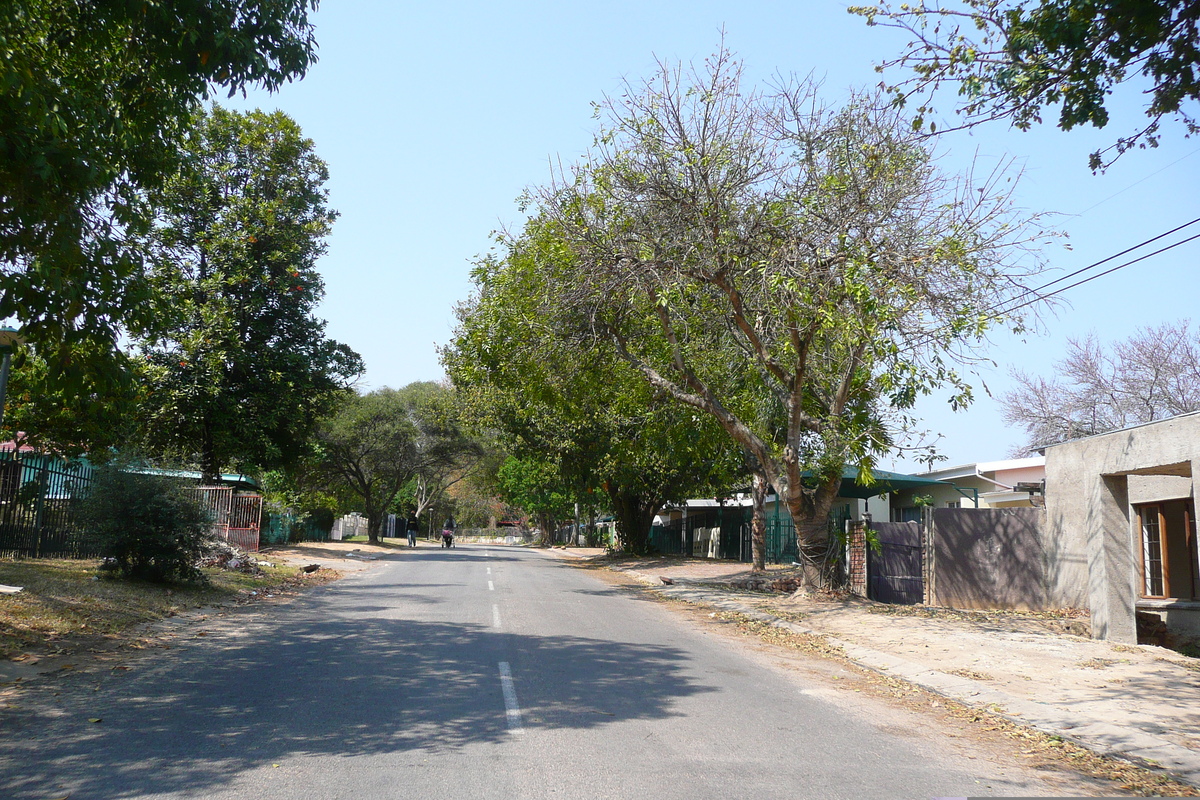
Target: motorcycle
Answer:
pixel 447 539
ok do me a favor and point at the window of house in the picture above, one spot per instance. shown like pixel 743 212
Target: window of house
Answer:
pixel 1167 540
pixel 954 504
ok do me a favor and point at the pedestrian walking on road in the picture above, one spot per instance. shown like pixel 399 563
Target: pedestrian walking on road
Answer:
pixel 413 526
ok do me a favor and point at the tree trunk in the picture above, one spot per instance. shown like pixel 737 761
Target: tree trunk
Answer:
pixel 758 523
pixel 548 525
pixel 210 470
pixel 635 514
pixel 809 511
pixel 374 522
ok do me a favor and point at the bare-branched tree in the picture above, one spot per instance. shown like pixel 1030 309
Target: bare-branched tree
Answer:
pixel 800 273
pixel 1152 375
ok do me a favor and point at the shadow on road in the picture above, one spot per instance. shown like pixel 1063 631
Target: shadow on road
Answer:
pixel 343 684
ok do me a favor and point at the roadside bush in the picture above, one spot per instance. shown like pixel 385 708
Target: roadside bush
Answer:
pixel 152 528
pixel 322 518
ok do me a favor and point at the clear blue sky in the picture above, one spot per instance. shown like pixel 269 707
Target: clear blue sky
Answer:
pixel 434 117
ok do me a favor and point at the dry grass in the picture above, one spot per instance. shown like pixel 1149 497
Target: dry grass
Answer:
pixel 65 599
pixel 1070 621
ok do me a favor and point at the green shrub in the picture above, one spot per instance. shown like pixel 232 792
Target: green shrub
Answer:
pixel 153 528
pixel 322 518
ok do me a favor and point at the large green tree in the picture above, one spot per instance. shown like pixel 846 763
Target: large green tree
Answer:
pixel 1012 59
pixel 573 414
pixel 238 365
pixel 93 96
pixel 373 446
pixel 448 449
pixel 538 487
pixel 367 452
pixel 799 274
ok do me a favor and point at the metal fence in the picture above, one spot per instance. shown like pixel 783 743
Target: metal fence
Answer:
pixel 707 533
pixel 726 533
pixel 780 541
pixel 39 497
pixel 236 516
pixel 289 528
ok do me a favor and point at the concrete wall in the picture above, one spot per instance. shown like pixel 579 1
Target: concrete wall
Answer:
pixel 989 558
pixel 1157 488
pixel 1090 541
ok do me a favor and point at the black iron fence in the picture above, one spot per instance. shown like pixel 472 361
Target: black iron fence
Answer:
pixel 39 498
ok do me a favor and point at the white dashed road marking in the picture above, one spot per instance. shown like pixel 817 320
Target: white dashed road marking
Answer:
pixel 511 709
pixel 491 588
pixel 495 616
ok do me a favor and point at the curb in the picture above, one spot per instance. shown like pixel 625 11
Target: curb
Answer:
pixel 1097 735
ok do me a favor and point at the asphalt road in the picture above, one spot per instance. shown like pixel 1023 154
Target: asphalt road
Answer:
pixel 473 672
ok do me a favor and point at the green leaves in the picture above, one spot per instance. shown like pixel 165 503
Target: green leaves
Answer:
pixel 93 97
pixel 1023 57
pixel 576 418
pixel 798 273
pixel 239 367
pixel 372 446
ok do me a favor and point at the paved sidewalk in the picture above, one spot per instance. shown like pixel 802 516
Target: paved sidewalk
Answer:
pixel 1140 703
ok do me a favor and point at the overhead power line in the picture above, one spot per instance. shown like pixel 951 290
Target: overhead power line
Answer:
pixel 1137 183
pixel 1106 272
pixel 999 310
pixel 1103 261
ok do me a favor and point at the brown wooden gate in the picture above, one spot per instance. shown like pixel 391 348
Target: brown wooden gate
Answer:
pixel 988 558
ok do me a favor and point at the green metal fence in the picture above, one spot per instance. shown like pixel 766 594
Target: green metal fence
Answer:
pixel 781 541
pixel 291 529
pixel 39 497
pixel 678 537
pixel 667 539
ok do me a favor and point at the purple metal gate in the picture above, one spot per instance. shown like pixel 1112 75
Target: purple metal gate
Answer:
pixel 895 574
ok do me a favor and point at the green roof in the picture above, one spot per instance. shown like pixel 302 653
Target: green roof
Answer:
pixel 884 482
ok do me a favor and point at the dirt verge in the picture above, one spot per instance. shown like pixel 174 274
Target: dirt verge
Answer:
pixel 979 727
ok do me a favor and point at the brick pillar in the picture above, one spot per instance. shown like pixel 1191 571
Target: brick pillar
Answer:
pixel 856 561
